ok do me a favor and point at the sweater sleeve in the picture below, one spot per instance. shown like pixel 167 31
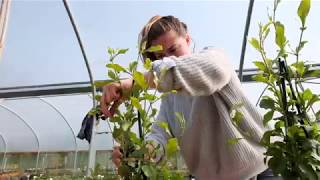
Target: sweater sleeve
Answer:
pixel 199 74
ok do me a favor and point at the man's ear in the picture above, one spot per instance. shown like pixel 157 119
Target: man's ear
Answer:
pixel 188 39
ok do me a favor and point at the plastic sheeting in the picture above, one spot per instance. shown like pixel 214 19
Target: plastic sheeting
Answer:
pixel 48 124
pixel 41 46
pixel 41 49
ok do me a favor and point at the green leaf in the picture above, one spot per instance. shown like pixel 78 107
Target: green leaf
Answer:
pixel 149 171
pixel 265 140
pixel 123 51
pixel 124 170
pixel 172 147
pixel 133 66
pixel 115 119
pixel 266 33
pixel 299 66
pixel 134 138
pixel 301 45
pixel 303 10
pixel 137 154
pixel 164 126
pixel 116 133
pixel 110 51
pixel 154 112
pixel 135 102
pixel 260 65
pixel 318 115
pixel 125 126
pixel 277 164
pixel 272 79
pixel 314 73
pixel 156 48
pixel 147 64
pixel 255 43
pixel 112 75
pixel 280 35
pixel 260 78
pixel 314 99
pixel 103 83
pixel 149 97
pixel 97 97
pixel 166 173
pixel 94 111
pixel 233 141
pixel 295 131
pixel 139 78
pixel 307 95
pixel 116 67
pixel 267 103
pixel 308 171
pixel 236 117
pixel 279 125
pixel 267 117
pixel 266 27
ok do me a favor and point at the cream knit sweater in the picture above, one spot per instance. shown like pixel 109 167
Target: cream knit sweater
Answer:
pixel 207 90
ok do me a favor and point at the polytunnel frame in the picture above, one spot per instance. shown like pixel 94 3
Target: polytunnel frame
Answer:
pixel 86 86
pixel 4 153
pixel 74 135
pixel 32 130
pixel 92 150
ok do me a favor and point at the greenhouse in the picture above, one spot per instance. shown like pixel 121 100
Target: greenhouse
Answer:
pixel 57 59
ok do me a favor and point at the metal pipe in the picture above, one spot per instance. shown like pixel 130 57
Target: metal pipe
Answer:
pixel 92 150
pixel 245 37
pixel 5 152
pixel 32 130
pixel 72 131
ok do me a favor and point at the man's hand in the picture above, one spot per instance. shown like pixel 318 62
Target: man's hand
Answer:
pixel 112 96
pixel 116 156
pixel 151 152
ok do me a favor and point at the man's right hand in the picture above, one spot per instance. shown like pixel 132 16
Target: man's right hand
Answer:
pixel 116 156
pixel 112 96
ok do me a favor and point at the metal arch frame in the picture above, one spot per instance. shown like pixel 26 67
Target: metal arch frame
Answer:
pixel 245 37
pixel 74 135
pixel 92 150
pixel 5 152
pixel 32 130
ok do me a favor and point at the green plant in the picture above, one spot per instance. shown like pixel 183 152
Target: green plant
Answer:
pixel 293 143
pixel 136 162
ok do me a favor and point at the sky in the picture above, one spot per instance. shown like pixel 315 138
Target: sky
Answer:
pixel 41 47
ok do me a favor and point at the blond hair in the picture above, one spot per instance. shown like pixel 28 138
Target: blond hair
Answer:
pixel 157 26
